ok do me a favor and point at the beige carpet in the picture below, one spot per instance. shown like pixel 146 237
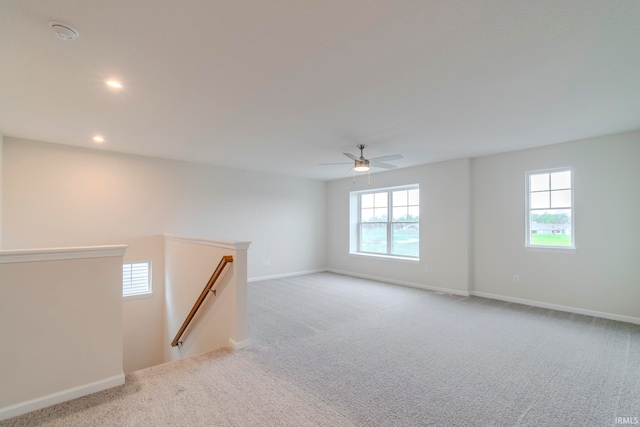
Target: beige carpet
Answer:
pixel 330 350
pixel 214 389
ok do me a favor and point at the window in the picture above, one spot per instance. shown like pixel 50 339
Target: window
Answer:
pixel 136 278
pixel 550 209
pixel 387 222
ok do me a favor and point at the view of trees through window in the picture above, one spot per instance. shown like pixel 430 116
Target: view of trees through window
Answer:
pixel 389 222
pixel 550 209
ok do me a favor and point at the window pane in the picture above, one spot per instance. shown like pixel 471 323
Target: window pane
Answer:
pixel 414 213
pixel 381 215
pixel 366 200
pixel 414 197
pixel 400 198
pixel 539 182
pixel 367 215
pixel 373 238
pixel 561 199
pixel 539 200
pixel 560 180
pixel 380 200
pixel 405 239
pixel 550 227
pixel 400 214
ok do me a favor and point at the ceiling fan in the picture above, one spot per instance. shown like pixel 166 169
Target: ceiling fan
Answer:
pixel 361 164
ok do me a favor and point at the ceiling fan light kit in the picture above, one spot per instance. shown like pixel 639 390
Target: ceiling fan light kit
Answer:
pixel 362 165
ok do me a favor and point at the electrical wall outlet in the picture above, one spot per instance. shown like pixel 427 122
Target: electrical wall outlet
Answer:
pixel 266 262
pixel 516 278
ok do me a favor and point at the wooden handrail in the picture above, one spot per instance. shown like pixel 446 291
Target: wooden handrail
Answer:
pixel 208 288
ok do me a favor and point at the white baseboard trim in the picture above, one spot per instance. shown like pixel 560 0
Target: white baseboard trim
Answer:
pixel 558 307
pixel 59 397
pixel 280 276
pixel 401 282
pixel 238 345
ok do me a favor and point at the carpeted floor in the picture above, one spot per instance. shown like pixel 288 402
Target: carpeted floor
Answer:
pixel 330 350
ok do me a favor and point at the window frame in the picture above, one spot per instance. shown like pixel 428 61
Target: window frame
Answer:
pixel 357 222
pixel 149 289
pixel 528 208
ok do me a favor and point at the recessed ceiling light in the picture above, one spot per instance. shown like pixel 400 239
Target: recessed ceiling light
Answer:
pixel 99 139
pixel 114 84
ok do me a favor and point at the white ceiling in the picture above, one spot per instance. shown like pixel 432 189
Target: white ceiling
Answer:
pixel 282 85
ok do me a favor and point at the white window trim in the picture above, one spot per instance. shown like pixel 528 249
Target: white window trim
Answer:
pixel 354 215
pixel 527 213
pixel 410 260
pixel 149 291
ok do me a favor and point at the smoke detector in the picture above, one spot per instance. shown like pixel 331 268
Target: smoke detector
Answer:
pixel 64 31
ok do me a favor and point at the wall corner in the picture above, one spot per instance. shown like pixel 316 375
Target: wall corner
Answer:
pixel 1 184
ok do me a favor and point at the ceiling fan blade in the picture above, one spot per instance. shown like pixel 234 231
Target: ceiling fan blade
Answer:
pixel 351 156
pixel 341 163
pixel 382 165
pixel 387 158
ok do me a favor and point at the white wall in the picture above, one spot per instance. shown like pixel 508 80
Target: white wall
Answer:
pixel 444 227
pixel 602 274
pixel 57 195
pixel 61 325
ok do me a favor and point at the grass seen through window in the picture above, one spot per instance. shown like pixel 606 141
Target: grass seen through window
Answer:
pixel 551 239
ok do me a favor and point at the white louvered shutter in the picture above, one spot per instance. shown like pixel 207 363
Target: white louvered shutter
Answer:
pixel 136 278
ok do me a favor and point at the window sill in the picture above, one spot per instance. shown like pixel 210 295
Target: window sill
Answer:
pixel 558 249
pixel 137 296
pixel 389 257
